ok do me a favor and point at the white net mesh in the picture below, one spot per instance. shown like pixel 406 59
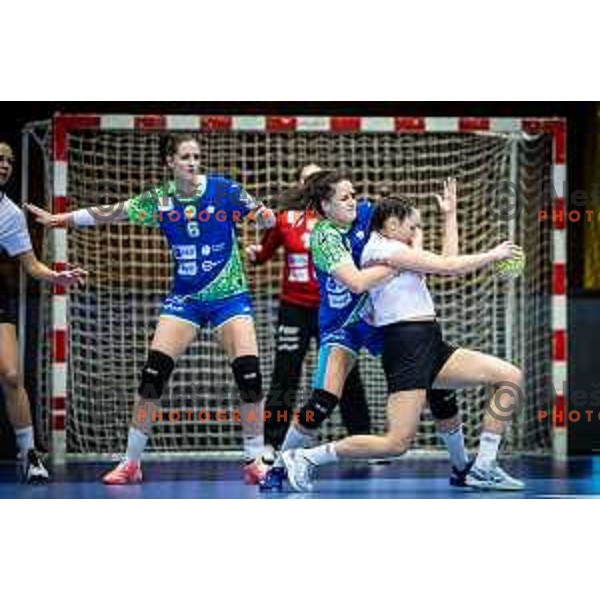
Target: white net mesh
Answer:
pixel 111 321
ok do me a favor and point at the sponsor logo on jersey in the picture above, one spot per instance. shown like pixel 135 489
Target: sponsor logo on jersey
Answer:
pixel 338 295
pixel 187 269
pixel 184 252
pixel 335 287
pixel 209 265
pixel 339 301
pixel 210 209
pixel 190 212
pixel 299 275
pixel 297 261
pixel 175 304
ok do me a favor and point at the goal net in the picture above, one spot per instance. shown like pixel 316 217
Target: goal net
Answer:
pixel 502 178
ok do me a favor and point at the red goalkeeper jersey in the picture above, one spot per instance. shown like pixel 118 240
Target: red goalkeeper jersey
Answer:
pixel 299 283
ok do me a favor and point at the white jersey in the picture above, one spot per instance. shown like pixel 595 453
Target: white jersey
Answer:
pixel 14 235
pixel 404 297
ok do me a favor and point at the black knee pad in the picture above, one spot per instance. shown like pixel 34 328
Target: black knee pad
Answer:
pixel 318 409
pixel 248 378
pixel 443 404
pixel 155 375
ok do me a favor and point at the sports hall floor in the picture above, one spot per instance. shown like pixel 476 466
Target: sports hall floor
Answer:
pixel 405 478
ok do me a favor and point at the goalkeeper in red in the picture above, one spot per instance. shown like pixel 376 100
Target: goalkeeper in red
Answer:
pixel 198 215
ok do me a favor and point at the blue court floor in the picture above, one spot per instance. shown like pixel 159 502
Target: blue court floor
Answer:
pixel 406 478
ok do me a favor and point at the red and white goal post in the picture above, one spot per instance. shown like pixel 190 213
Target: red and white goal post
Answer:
pixel 93 340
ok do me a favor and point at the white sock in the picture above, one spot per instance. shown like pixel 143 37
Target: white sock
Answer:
pixel 322 455
pixel 24 440
pixel 488 449
pixel 294 438
pixel 253 447
pixel 269 454
pixel 455 443
pixel 136 444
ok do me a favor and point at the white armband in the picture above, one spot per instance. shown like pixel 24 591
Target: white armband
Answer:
pixel 83 218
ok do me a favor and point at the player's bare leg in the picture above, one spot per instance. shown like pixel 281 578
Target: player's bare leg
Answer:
pixel 17 405
pixel 335 362
pixel 238 338
pixel 403 414
pixel 171 339
pixel 467 368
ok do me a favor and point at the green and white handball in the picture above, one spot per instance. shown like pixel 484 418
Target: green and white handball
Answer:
pixel 511 268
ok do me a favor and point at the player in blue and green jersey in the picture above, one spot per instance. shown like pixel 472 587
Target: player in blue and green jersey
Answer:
pixel 345 319
pixel 336 245
pixel 197 215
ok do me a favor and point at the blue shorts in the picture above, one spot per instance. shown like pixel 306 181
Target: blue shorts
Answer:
pixel 201 313
pixel 352 339
pixel 355 337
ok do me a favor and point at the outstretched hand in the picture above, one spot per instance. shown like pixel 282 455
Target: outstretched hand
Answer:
pixel 507 250
pixel 70 278
pixel 46 218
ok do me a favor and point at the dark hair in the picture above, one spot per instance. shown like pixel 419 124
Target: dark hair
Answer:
pixel 291 199
pixel 170 144
pixel 320 187
pixel 391 206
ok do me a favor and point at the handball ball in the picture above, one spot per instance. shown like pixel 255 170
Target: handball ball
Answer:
pixel 511 268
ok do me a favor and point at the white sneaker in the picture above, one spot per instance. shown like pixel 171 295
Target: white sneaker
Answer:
pixel 300 470
pixel 33 468
pixel 493 478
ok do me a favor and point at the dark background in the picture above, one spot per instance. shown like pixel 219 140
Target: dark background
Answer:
pixel 582 127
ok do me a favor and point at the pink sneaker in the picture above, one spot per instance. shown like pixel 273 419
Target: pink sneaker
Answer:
pixel 126 472
pixel 255 472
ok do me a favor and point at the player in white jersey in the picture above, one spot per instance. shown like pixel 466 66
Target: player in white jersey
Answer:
pixel 416 357
pixel 15 240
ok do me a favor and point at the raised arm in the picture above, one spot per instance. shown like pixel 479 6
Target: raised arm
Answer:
pixel 448 204
pixel 412 259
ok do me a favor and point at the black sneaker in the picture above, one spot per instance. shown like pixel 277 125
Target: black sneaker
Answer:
pixel 458 478
pixel 273 482
pixel 34 471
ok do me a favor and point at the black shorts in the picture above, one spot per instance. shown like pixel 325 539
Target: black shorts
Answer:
pixel 8 306
pixel 414 352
